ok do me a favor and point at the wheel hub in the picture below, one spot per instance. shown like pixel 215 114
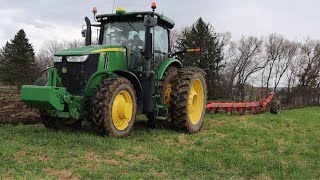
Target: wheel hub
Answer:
pixel 122 110
pixel 195 102
pixel 167 94
pixel 192 100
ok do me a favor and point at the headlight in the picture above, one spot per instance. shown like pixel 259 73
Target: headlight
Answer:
pixel 77 58
pixel 57 59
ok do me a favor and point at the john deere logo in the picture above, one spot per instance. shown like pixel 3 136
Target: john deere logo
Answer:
pixel 64 70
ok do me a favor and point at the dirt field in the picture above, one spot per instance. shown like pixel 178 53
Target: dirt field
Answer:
pixel 13 111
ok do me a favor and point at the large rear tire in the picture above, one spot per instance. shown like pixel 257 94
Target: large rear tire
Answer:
pixel 275 107
pixel 188 99
pixel 165 88
pixel 166 84
pixel 114 107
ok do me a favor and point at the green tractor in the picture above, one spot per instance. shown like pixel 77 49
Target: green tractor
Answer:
pixel 131 71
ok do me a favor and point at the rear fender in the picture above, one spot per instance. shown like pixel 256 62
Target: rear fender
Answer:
pixel 165 64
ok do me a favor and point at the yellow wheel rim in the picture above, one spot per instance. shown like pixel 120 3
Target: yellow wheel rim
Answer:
pixel 122 110
pixel 167 93
pixel 195 102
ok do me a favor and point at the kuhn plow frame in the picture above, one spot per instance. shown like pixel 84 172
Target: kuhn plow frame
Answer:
pixel 242 107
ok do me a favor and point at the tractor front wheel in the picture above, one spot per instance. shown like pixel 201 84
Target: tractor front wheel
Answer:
pixel 114 107
pixel 48 121
pixel 58 123
pixel 53 122
pixel 188 99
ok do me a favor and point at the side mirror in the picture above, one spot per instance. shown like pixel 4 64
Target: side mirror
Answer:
pixel 84 32
pixel 150 21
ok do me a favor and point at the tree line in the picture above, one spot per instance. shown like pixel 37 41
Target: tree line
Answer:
pixel 244 69
pixel 252 67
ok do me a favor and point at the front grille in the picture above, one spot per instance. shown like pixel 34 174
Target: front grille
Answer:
pixel 77 74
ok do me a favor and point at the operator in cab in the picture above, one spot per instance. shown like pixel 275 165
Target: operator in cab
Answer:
pixel 137 41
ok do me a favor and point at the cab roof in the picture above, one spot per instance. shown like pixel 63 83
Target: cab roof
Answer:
pixel 134 16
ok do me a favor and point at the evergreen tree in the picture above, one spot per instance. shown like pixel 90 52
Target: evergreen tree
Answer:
pixel 201 35
pixel 18 64
pixel 6 65
pixel 1 61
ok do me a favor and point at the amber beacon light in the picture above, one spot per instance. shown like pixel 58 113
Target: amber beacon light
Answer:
pixel 94 10
pixel 154 6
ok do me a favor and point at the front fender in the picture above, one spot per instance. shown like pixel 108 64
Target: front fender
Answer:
pixel 94 81
pixel 136 84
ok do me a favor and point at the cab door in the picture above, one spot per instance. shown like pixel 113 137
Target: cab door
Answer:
pixel 160 44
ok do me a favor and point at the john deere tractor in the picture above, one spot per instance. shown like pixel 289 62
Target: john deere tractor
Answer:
pixel 131 71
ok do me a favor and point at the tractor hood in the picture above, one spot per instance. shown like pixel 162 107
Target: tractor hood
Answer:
pixel 86 50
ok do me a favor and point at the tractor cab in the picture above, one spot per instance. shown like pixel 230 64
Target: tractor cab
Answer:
pixel 138 32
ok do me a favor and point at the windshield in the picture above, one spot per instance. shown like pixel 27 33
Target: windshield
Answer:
pixel 129 34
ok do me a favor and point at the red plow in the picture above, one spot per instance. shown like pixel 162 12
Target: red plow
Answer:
pixel 242 107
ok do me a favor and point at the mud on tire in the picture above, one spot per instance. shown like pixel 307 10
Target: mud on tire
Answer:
pixel 181 93
pixel 167 79
pixel 102 106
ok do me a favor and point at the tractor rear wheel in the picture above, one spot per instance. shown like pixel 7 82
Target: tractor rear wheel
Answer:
pixel 166 83
pixel 188 99
pixel 114 107
pixel 275 107
pixel 165 88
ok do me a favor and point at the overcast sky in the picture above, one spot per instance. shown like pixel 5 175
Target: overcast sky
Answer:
pixel 62 19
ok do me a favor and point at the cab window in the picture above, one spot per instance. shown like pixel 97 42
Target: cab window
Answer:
pixel 129 34
pixel 161 44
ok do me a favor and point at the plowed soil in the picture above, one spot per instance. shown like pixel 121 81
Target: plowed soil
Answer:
pixel 13 111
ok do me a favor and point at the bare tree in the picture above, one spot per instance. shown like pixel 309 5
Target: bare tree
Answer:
pixel 287 53
pixel 244 61
pixel 310 52
pixel 76 43
pixel 309 77
pixel 229 48
pixel 292 73
pixel 248 61
pixel 46 53
pixel 175 35
pixel 274 50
